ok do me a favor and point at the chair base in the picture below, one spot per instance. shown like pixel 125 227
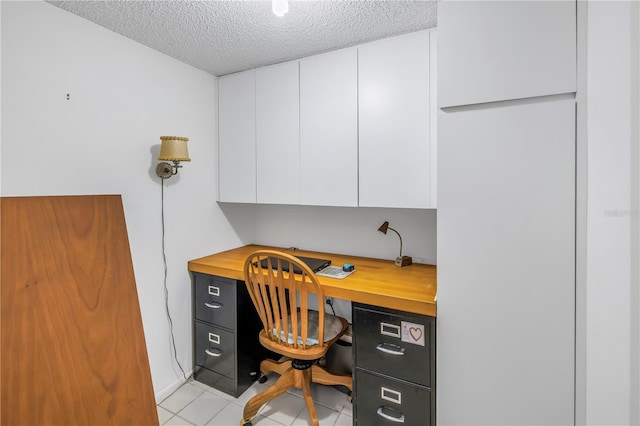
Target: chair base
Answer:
pixel 291 376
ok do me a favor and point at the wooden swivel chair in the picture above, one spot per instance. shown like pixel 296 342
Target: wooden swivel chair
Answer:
pixel 290 328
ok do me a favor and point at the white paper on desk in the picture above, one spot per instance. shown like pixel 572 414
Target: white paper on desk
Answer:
pixel 334 272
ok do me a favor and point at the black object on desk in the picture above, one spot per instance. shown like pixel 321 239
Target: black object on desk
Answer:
pixel 313 263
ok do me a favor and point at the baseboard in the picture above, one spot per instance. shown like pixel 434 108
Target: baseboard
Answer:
pixel 164 393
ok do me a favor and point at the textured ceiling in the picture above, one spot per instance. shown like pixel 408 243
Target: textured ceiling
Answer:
pixel 222 37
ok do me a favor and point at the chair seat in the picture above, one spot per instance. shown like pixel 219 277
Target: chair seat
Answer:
pixel 333 327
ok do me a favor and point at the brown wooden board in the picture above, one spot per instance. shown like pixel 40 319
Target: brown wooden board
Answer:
pixel 73 348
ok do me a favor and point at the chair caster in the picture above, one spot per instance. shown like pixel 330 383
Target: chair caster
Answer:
pixel 263 378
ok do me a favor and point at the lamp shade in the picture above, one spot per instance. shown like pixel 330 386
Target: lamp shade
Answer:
pixel 174 148
pixel 383 228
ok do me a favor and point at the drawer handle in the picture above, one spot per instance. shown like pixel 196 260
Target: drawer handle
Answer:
pixel 213 352
pixel 390 348
pixel 398 418
pixel 213 305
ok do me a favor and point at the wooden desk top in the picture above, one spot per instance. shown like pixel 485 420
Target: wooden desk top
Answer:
pixel 375 281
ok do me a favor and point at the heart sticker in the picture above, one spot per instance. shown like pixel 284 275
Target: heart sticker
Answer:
pixel 412 333
pixel 416 333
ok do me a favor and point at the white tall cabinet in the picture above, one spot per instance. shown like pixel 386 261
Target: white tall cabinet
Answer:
pixel 506 213
pixel 394 120
pixel 506 265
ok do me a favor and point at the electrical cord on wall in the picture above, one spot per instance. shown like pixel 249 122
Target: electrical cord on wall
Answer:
pixel 329 302
pixel 166 290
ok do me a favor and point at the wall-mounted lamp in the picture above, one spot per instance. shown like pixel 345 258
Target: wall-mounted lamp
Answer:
pixel 400 260
pixel 279 7
pixel 174 148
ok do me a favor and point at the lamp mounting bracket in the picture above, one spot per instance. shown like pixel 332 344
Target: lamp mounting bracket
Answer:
pixel 164 170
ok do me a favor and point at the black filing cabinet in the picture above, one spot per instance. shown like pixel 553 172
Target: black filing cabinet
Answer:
pixel 394 375
pixel 226 350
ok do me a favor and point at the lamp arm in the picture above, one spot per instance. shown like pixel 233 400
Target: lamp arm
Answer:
pixel 398 237
pixel 176 166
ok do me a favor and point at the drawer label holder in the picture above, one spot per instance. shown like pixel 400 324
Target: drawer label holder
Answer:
pixel 391 395
pixel 391 330
pixel 214 338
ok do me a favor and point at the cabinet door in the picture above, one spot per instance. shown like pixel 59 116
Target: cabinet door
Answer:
pixel 506 263
pixel 394 116
pixel 329 129
pixel 277 134
pixel 498 50
pixel 236 138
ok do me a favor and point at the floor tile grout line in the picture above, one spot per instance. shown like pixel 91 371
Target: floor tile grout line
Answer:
pixel 227 401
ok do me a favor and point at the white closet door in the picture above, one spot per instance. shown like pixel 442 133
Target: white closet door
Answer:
pixel 329 129
pixel 498 50
pixel 237 138
pixel 277 134
pixel 506 263
pixel 393 79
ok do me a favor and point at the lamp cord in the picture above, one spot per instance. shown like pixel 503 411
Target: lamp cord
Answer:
pixel 166 290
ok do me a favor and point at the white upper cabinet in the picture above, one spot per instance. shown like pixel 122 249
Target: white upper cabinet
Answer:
pixel 277 134
pixel 329 129
pixel 236 138
pixel 353 127
pixel 499 50
pixel 394 122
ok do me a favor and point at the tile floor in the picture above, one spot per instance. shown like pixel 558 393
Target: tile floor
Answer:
pixel 197 404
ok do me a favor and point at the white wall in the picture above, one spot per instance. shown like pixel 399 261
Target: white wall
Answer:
pixel 104 140
pixel 612 233
pixel 349 230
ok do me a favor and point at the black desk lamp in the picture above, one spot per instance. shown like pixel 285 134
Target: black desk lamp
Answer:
pixel 400 260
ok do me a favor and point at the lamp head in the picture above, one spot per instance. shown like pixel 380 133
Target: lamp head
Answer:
pixel 383 228
pixel 173 148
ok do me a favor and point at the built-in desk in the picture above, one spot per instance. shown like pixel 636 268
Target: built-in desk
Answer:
pixel 393 331
pixel 375 282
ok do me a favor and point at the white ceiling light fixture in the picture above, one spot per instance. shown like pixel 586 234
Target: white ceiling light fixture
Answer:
pixel 279 7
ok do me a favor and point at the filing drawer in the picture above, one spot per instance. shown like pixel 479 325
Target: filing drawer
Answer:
pixel 215 349
pixel 386 401
pixel 215 300
pixel 394 343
